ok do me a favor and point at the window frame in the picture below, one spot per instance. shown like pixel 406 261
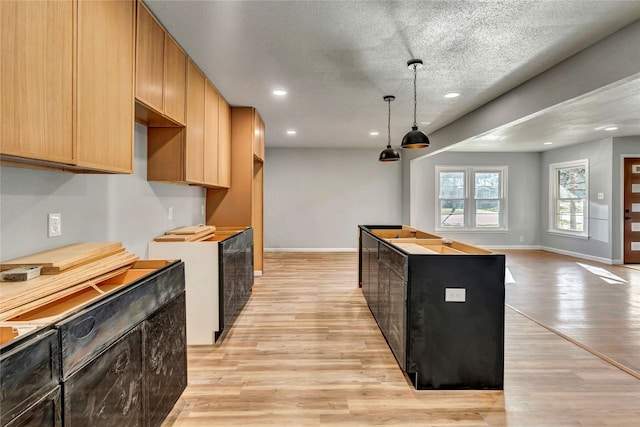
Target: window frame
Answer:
pixel 469 222
pixel 554 168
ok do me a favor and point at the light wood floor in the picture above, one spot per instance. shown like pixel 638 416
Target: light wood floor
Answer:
pixel 307 352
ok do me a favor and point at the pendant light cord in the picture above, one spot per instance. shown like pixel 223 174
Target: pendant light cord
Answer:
pixel 389 124
pixel 415 95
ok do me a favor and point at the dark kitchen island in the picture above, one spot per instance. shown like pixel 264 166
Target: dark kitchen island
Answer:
pixel 439 304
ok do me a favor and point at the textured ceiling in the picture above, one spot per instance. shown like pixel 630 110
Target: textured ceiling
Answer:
pixel 337 59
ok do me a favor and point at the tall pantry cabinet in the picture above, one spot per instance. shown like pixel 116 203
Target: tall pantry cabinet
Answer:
pixel 241 205
pixel 67 90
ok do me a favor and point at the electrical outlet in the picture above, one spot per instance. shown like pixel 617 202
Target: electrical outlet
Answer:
pixel 455 294
pixel 54 225
pixel 522 238
pixel 170 215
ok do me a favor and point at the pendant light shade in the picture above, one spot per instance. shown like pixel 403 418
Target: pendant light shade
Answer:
pixel 389 154
pixel 415 138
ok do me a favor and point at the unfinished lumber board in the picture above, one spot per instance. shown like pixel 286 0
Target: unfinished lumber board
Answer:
pixel 16 294
pixel 200 239
pixel 183 237
pixel 15 313
pixel 192 229
pixel 172 238
pixel 56 260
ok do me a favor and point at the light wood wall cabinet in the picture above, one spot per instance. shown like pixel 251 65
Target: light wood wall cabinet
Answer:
pixel 210 158
pixel 224 143
pixel 160 74
pixel 241 205
pixel 198 154
pixel 258 140
pixel 194 152
pixel 63 105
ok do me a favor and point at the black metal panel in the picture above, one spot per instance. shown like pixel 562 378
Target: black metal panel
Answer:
pixel 29 368
pixel 165 371
pixel 236 276
pixel 46 412
pixel 369 266
pixel 91 330
pixel 108 391
pixel 397 335
pixel 453 344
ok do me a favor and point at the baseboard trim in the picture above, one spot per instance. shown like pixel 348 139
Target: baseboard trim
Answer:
pixel 310 249
pixel 510 247
pixel 578 255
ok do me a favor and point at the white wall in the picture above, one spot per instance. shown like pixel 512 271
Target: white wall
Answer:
pixel 599 245
pixel 316 198
pixel 94 207
pixel 522 196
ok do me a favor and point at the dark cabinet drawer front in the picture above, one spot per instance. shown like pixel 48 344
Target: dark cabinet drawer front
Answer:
pixel 395 261
pixel 29 371
pixel 46 412
pixel 165 372
pixel 108 391
pixel 87 333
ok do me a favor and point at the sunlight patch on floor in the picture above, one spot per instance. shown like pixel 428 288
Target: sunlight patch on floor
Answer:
pixel 508 277
pixel 605 275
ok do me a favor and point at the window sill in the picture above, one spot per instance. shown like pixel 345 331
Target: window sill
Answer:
pixel 568 234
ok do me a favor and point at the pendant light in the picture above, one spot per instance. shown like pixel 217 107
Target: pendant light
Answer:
pixel 415 138
pixel 389 154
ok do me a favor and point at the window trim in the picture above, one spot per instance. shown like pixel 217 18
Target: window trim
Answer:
pixel 470 200
pixel 553 198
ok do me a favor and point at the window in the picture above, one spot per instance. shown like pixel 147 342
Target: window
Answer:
pixel 569 198
pixel 471 198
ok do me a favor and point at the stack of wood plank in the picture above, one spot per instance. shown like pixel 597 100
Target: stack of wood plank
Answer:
pixel 192 233
pixel 64 271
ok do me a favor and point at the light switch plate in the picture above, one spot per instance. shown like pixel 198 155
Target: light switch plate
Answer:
pixel 455 294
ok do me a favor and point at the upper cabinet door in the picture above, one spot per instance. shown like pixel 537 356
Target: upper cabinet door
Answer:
pixel 175 80
pixel 194 143
pixel 211 135
pixel 36 106
pixel 105 99
pixel 224 143
pixel 258 136
pixel 150 60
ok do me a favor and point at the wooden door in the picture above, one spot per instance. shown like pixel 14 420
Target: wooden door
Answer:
pixel 36 105
pixel 149 59
pixel 194 143
pixel 632 211
pixel 210 134
pixel 105 85
pixel 175 80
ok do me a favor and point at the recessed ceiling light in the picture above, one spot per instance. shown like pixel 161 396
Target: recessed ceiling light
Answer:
pixel 425 123
pixel 492 137
pixel 374 133
pixel 279 92
pixel 548 143
pixel 452 95
pixel 291 132
pixel 607 127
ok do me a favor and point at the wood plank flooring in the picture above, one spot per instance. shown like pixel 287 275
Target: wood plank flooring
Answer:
pixel 595 304
pixel 306 351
